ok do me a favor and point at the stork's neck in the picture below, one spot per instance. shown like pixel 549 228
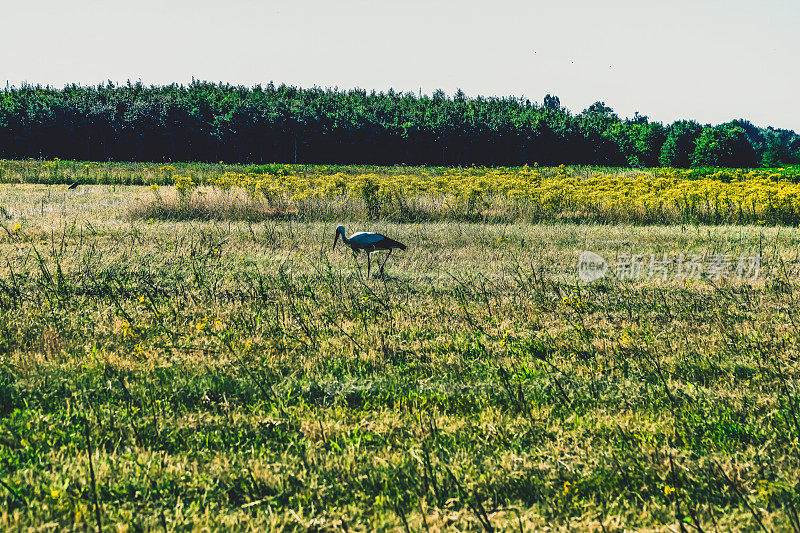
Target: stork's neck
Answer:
pixel 344 235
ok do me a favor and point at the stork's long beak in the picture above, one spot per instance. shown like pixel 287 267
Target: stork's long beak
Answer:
pixel 335 240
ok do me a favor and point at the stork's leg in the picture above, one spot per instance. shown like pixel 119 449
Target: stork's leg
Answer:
pixel 384 261
pixel 367 263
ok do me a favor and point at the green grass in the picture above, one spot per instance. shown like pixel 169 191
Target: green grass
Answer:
pixel 229 375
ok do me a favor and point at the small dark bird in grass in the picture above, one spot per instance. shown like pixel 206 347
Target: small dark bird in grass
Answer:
pixel 73 186
pixel 369 242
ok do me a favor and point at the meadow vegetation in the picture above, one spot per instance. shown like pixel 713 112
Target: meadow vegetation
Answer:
pixel 166 370
pixel 424 194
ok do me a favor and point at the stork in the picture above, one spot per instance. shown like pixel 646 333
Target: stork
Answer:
pixel 369 242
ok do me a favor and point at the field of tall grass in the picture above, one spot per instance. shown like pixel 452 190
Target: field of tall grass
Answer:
pixel 427 194
pixel 233 372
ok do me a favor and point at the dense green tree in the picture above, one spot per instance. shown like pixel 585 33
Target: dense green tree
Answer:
pixel 679 144
pixel 639 141
pixel 780 147
pixel 604 140
pixel 755 138
pixel 724 146
pixel 552 103
pixel 211 122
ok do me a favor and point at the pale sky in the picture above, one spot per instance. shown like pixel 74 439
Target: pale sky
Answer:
pixel 708 60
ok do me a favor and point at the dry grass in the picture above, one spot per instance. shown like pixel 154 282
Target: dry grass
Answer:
pixel 237 375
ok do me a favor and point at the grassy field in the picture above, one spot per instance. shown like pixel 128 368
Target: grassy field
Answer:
pixel 234 374
pixel 763 196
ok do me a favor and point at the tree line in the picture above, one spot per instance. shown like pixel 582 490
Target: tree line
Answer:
pixel 206 121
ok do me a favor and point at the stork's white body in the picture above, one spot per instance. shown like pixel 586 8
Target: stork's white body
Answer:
pixel 369 242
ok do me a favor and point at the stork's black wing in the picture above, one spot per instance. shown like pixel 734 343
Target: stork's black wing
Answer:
pixel 388 243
